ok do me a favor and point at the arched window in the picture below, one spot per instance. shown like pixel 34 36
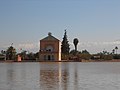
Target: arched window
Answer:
pixel 49 48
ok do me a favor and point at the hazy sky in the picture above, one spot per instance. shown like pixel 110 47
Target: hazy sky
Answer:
pixel 96 23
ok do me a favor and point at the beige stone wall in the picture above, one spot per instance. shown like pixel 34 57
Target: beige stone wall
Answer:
pixel 59 51
pixel 56 51
pixel 55 57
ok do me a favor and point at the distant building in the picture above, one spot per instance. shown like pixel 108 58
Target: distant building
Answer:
pixel 19 58
pixel 50 49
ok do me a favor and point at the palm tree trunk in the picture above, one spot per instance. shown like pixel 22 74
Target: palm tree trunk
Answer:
pixel 75 48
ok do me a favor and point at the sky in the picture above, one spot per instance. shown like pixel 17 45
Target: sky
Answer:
pixel 96 23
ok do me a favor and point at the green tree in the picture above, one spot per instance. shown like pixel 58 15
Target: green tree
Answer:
pixel 23 54
pixel 73 52
pixel 85 52
pixel 113 51
pixel 11 53
pixel 85 55
pixel 65 45
pixel 36 55
pixel 75 42
pixel 31 56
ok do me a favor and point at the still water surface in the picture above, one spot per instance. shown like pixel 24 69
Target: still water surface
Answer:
pixel 60 76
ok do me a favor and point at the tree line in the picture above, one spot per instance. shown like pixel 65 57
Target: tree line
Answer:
pixel 76 55
pixel 66 53
pixel 11 54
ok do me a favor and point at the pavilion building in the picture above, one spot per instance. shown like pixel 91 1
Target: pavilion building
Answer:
pixel 50 49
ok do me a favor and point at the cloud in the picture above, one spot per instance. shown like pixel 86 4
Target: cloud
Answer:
pixel 94 47
pixel 33 47
pixel 89 44
pixel 27 45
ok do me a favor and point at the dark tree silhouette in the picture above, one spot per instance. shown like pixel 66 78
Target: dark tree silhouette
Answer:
pixel 85 52
pixel 11 53
pixel 65 45
pixel 113 51
pixel 75 42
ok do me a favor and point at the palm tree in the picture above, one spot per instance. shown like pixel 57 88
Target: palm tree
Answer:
pixel 113 51
pixel 75 42
pixel 116 48
pixel 11 53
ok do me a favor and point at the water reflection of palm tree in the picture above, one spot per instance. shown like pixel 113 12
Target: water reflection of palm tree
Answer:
pixel 76 78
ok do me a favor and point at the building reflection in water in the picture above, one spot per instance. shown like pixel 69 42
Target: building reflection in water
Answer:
pixel 58 76
pixel 40 76
pixel 53 76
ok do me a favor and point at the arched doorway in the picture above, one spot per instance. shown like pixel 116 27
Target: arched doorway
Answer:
pixel 49 57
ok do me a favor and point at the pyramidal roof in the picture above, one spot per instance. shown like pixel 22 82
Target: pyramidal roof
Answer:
pixel 50 37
